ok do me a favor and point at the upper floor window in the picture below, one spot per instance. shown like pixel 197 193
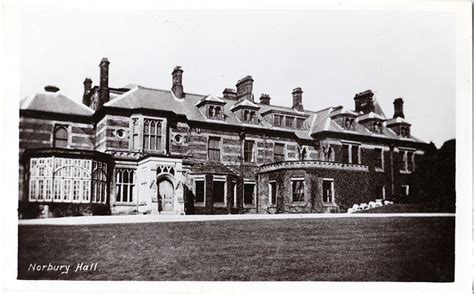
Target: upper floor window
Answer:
pixel 350 153
pixel 379 158
pixel 277 120
pixel 124 185
pixel 248 116
pixel 60 137
pixel 215 112
pixel 405 131
pixel 300 123
pixel 297 190
pixel 279 152
pixel 214 149
pixel 249 154
pixel 407 161
pixel 377 127
pixel 135 134
pixel 328 153
pixel 349 123
pixel 289 122
pixel 152 134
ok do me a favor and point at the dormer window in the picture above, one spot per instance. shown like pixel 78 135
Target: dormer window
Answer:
pixel 404 131
pixel 214 112
pixel 277 120
pixel 349 123
pixel 212 107
pixel 377 127
pixel 248 116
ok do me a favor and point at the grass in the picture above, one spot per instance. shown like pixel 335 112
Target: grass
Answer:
pixel 348 249
pixel 406 208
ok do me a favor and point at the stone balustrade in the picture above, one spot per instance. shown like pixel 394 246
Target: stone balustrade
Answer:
pixel 312 164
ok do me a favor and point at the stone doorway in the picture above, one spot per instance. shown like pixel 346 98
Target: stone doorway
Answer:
pixel 165 194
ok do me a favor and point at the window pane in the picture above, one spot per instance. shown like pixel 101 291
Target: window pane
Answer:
pixel 248 193
pixel 199 191
pixel 355 154
pixel 273 192
pixel 298 190
pixel 218 191
pixel 345 153
pixel 327 191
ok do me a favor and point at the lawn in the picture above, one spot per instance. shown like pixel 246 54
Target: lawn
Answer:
pixel 347 249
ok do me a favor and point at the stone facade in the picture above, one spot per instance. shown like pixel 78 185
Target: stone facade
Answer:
pixel 179 153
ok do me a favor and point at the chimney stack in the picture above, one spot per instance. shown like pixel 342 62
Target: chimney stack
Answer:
pixel 104 93
pixel 230 94
pixel 297 99
pixel 177 86
pixel 245 88
pixel 86 97
pixel 364 102
pixel 265 99
pixel 51 89
pixel 398 108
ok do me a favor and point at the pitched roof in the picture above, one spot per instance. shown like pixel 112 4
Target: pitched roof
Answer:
pixel 319 121
pixel 210 98
pixel 55 102
pixel 370 115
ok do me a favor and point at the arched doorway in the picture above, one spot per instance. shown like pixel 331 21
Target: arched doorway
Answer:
pixel 165 194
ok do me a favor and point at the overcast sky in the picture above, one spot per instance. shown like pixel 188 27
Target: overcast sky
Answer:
pixel 331 54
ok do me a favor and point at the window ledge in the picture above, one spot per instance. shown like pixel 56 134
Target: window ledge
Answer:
pixel 379 170
pixel 329 204
pixel 199 204
pixel 405 172
pixel 124 204
pixel 220 204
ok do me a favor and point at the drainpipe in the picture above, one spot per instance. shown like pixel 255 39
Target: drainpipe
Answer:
pixel 392 178
pixel 242 138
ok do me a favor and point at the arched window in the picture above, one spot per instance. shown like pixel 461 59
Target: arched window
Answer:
pixel 60 137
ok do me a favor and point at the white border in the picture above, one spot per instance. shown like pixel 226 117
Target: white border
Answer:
pixel 9 27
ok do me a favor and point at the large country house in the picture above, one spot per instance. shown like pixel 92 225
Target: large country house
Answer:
pixel 138 150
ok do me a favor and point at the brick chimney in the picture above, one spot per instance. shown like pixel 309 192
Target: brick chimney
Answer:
pixel 364 101
pixel 229 93
pixel 265 99
pixel 398 108
pixel 104 92
pixel 245 88
pixel 177 86
pixel 86 96
pixel 51 89
pixel 297 99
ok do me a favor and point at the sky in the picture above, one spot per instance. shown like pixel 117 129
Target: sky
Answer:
pixel 330 54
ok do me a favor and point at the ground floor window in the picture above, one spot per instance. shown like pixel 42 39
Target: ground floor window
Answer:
pixel 272 192
pixel 218 191
pixel 405 190
pixel 249 194
pixel 380 192
pixel 59 179
pixel 124 185
pixel 328 191
pixel 199 191
pixel 297 190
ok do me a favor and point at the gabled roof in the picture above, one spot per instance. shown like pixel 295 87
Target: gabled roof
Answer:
pixel 342 111
pixel 398 120
pixel 370 116
pixel 212 99
pixel 55 102
pixel 244 103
